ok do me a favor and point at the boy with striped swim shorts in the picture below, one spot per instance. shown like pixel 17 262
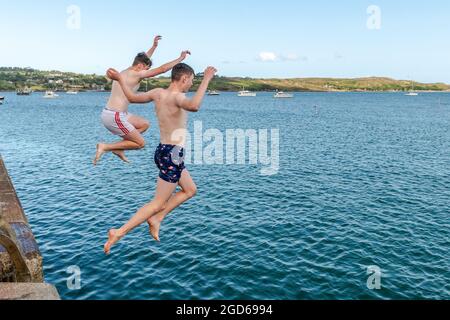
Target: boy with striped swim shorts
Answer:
pixel 116 118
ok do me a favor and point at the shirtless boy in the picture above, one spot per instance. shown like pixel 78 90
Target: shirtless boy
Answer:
pixel 172 107
pixel 115 116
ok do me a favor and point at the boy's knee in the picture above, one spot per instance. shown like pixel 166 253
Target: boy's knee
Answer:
pixel 159 206
pixel 144 127
pixel 191 192
pixel 141 144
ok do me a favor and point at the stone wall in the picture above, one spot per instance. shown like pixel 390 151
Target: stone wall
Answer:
pixel 14 224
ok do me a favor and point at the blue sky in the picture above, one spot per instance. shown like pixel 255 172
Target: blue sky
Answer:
pixel 283 39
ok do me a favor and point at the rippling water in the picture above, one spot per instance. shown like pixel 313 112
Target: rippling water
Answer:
pixel 364 180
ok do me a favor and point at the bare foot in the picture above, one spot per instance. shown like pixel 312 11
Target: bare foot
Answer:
pixel 121 155
pixel 100 153
pixel 113 238
pixel 154 225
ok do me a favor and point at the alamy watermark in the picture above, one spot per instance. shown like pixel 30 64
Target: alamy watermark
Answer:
pixel 74 280
pixel 73 21
pixel 232 147
pixel 374 280
pixel 374 20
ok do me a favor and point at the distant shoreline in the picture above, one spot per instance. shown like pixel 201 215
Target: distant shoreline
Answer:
pixel 266 91
pixel 17 78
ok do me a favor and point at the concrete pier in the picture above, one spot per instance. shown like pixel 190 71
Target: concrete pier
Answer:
pixel 21 271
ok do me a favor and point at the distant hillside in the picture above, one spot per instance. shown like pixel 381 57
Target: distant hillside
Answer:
pixel 324 84
pixel 13 78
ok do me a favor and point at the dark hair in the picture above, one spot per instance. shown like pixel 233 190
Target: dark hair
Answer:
pixel 180 70
pixel 142 58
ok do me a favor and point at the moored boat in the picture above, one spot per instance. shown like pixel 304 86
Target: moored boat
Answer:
pixel 50 95
pixel 246 93
pixel 281 94
pixel 23 92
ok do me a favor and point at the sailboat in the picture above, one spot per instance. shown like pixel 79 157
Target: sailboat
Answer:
pixel 412 93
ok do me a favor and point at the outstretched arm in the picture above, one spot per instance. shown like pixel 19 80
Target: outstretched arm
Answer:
pixel 151 51
pixel 164 68
pixel 132 96
pixel 193 105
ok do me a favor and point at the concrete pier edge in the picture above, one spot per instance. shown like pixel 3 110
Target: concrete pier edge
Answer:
pixel 21 270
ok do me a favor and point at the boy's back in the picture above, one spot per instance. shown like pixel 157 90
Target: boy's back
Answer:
pixel 172 119
pixel 118 101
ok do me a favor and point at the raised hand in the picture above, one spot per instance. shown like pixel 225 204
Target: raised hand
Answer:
pixel 156 40
pixel 209 73
pixel 113 74
pixel 184 54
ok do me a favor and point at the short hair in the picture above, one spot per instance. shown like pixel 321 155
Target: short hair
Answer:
pixel 180 70
pixel 142 58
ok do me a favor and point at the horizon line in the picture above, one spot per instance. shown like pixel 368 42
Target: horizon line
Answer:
pixel 254 78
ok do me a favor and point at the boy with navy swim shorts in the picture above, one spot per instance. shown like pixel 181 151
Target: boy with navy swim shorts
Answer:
pixel 172 108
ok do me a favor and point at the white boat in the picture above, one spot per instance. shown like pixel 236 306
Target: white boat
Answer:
pixel 2 98
pixel 50 95
pixel 72 92
pixel 213 93
pixel 281 94
pixel 246 93
pixel 412 93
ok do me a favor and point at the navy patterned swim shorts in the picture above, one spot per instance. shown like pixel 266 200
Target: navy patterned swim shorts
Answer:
pixel 170 161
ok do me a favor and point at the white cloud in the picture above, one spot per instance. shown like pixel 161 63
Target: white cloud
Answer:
pixel 267 57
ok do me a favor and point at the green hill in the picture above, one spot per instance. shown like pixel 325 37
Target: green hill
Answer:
pixel 13 78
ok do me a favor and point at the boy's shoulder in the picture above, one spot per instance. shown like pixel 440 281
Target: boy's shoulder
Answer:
pixel 130 73
pixel 158 92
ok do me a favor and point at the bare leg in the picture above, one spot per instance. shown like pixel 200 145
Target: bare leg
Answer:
pixel 121 155
pixel 189 190
pixel 164 190
pixel 141 125
pixel 132 141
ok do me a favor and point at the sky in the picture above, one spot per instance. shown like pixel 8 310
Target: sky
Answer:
pixel 247 38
